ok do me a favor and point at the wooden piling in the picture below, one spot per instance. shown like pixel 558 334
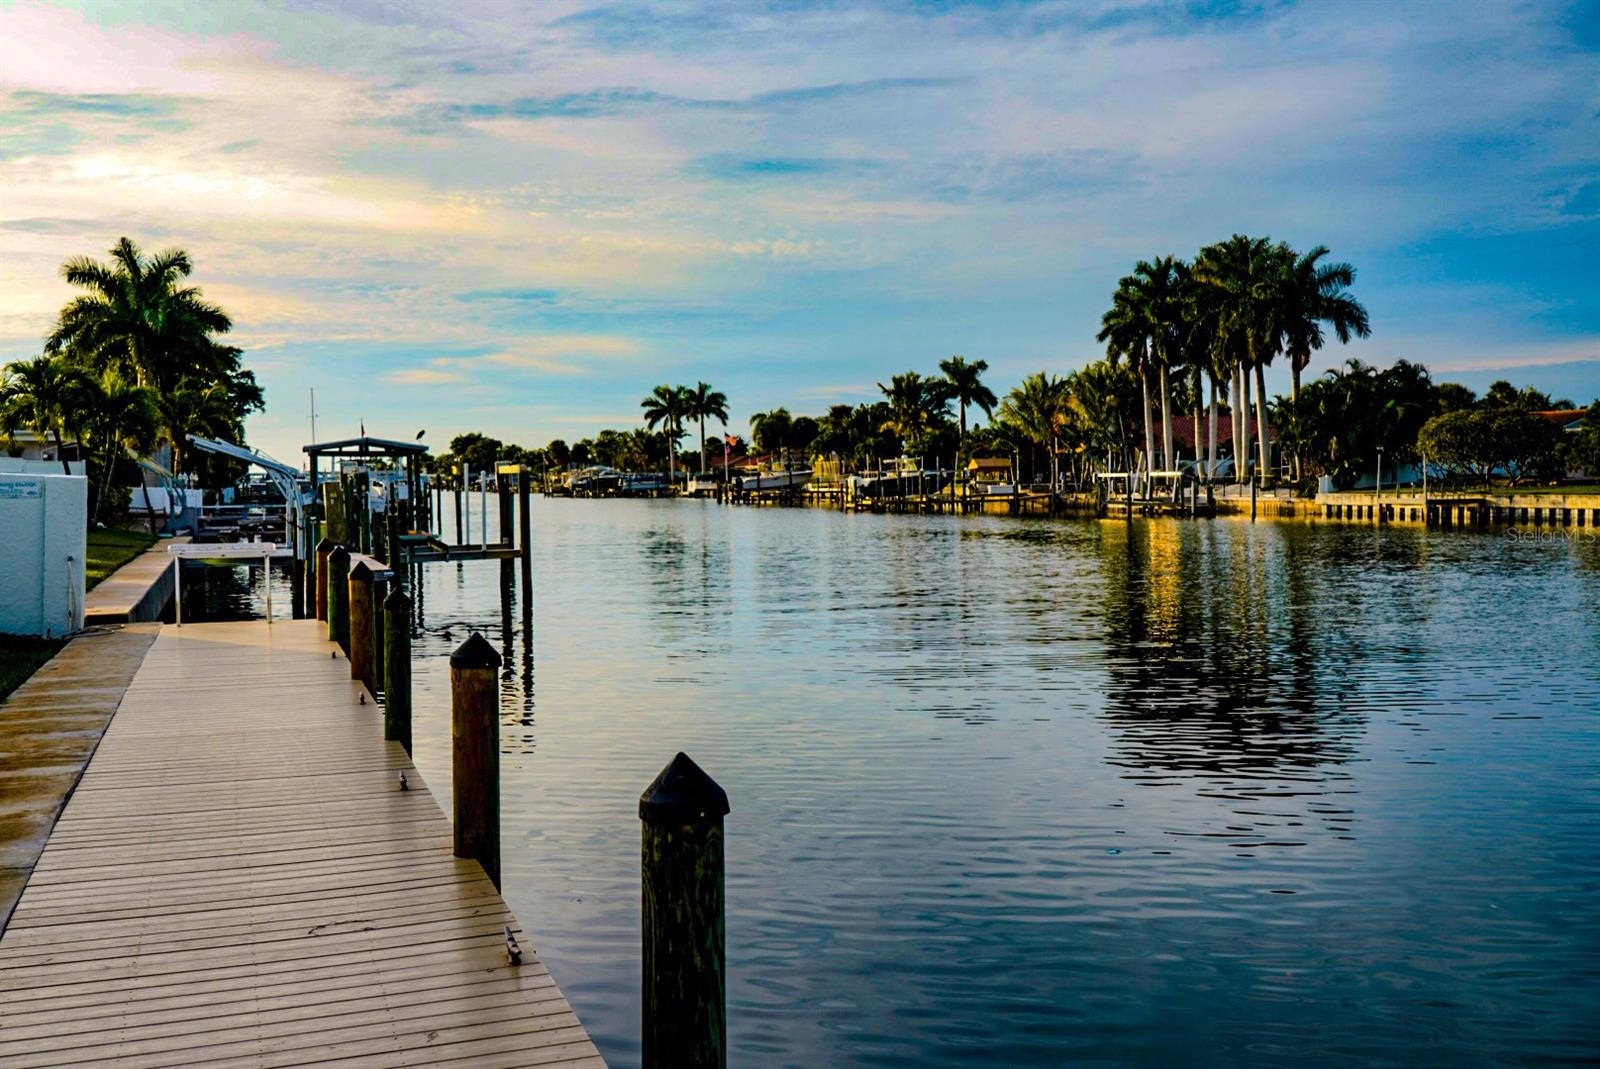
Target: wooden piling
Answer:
pixel 475 752
pixel 380 593
pixel 682 862
pixel 397 667
pixel 361 633
pixel 324 548
pixel 525 532
pixel 338 588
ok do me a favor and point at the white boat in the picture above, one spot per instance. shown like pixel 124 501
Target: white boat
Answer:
pixel 775 479
pixel 597 478
pixel 905 478
pixel 640 484
pixel 702 484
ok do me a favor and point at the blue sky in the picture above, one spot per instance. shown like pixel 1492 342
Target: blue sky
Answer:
pixel 520 218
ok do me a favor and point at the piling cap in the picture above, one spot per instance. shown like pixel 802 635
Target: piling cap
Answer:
pixel 326 545
pixel 683 794
pixel 361 573
pixel 340 556
pixel 475 652
pixel 397 598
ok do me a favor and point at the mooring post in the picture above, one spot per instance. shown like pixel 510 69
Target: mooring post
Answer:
pixel 685 987
pixel 475 750
pixel 324 548
pixel 361 623
pixel 380 594
pixel 1252 498
pixel 338 589
pixel 525 529
pixel 397 667
pixel 460 490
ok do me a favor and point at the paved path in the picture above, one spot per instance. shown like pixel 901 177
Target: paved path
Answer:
pixel 239 881
pixel 137 591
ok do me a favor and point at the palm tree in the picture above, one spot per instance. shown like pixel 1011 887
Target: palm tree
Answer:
pixel 666 408
pixel 1103 397
pixel 42 394
pixel 1246 277
pixel 124 416
pixel 963 384
pixel 1039 408
pixel 769 431
pixel 916 405
pixel 706 403
pixel 1127 328
pixel 1316 293
pixel 137 318
pixel 196 409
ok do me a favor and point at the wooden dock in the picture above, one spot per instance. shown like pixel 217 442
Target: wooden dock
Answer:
pixel 239 880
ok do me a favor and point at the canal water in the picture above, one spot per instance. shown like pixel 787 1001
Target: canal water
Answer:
pixel 1037 793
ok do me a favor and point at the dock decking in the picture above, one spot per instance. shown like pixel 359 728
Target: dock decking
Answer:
pixel 240 881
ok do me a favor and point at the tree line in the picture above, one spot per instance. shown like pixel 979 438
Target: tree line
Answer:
pixel 133 362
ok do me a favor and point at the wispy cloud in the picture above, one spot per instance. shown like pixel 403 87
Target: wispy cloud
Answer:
pixel 582 200
pixel 423 376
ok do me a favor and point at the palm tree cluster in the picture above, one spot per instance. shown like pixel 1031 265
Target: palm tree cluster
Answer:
pixel 132 362
pixel 669 407
pixel 1222 319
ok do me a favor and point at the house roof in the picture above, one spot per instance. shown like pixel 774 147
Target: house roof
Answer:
pixel 1565 418
pixel 1183 430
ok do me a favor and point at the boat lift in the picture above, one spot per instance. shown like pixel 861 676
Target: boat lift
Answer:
pixel 284 477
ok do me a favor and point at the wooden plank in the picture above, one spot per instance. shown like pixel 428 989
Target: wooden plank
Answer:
pixel 238 880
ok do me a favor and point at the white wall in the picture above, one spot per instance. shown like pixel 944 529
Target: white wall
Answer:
pixel 23 466
pixel 42 524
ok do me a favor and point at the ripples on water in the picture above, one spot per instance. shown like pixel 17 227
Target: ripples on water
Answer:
pixel 1017 792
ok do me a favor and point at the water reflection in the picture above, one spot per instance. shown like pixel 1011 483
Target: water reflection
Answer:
pixel 1038 793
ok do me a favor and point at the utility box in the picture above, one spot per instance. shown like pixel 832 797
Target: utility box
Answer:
pixel 43 519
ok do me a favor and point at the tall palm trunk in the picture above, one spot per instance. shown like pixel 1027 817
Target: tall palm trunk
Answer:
pixel 1261 417
pixel 1149 434
pixel 702 443
pixel 1238 426
pixel 1166 422
pixel 61 452
pixel 1294 399
pixel 1211 456
pixel 1244 416
pixel 1199 450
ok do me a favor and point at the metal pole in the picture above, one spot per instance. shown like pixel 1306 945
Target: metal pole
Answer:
pixel 177 587
pixel 266 581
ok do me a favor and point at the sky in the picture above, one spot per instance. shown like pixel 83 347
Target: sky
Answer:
pixel 517 219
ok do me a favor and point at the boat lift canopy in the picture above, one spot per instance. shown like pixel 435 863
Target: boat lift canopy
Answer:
pixel 285 478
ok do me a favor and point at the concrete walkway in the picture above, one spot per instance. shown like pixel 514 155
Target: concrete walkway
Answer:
pixel 240 880
pixel 135 592
pixel 49 727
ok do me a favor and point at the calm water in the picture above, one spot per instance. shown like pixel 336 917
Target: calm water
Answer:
pixel 1041 793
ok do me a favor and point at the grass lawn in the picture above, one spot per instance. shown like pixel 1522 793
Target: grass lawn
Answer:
pixel 21 657
pixel 109 550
